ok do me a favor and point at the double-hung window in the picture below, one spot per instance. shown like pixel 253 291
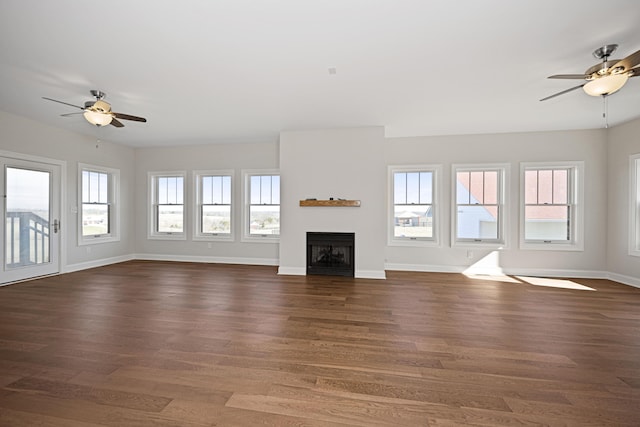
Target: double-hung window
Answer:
pixel 262 205
pixel 634 203
pixel 167 213
pixel 413 217
pixel 551 211
pixel 213 213
pixel 98 213
pixel 479 204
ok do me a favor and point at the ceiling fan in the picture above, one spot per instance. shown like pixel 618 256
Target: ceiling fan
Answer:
pixel 99 112
pixel 606 77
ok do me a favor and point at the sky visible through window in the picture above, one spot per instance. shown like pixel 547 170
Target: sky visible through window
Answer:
pixel 27 190
pixel 216 190
pixel 265 190
pixel 94 187
pixel 413 188
pixel 170 190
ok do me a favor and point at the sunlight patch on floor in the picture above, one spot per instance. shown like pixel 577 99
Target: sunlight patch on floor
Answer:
pixel 492 278
pixel 488 265
pixel 554 283
pixel 535 281
pixel 489 268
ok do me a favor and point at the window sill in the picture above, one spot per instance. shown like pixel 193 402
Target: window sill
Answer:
pixel 414 243
pixel 213 238
pixel 566 247
pixel 84 241
pixel 481 244
pixel 167 237
pixel 261 239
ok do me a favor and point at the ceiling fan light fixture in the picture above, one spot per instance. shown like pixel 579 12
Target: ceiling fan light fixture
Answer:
pixel 101 106
pixel 605 85
pixel 97 118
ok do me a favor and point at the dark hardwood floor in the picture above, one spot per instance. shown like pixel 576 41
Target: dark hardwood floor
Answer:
pixel 179 344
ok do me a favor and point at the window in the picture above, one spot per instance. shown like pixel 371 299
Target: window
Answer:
pixel 213 213
pixel 413 215
pixel 634 203
pixel 550 210
pixel 167 214
pixel 479 204
pixel 262 205
pixel 98 197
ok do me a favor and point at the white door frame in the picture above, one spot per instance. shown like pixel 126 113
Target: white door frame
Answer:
pixel 64 226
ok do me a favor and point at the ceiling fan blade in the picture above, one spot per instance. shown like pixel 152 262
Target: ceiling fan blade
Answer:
pixel 62 102
pixel 116 123
pixel 70 114
pixel 563 92
pixel 129 117
pixel 569 76
pixel 629 62
pixel 635 72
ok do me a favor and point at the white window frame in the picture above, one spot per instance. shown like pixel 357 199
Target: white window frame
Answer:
pixel 575 200
pixel 198 235
pixel 435 240
pixel 503 170
pixel 113 203
pixel 152 232
pixel 246 197
pixel 634 205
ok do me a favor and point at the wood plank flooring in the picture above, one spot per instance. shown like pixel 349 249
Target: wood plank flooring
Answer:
pixel 147 343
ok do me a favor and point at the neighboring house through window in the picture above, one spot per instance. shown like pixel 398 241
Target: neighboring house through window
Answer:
pixel 551 211
pixel 413 216
pixel 479 204
pixel 99 210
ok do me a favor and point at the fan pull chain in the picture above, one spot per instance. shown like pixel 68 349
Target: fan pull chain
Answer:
pixel 98 132
pixel 605 111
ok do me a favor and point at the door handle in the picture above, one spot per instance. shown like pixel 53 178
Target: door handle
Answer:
pixel 56 225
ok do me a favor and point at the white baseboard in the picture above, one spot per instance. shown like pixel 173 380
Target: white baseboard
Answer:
pixel 292 271
pixel 370 274
pixel 69 268
pixel 534 272
pixel 360 274
pixel 542 272
pixel 498 271
pixel 426 268
pixel 207 259
pixel 625 280
pixel 364 274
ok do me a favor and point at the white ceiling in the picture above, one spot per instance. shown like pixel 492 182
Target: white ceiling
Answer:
pixel 244 70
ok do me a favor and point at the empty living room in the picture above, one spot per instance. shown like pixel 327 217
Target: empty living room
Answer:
pixel 303 213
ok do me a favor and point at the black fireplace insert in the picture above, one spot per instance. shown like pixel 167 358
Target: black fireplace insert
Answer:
pixel 330 254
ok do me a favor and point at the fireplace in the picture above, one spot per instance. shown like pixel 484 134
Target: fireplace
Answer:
pixel 330 254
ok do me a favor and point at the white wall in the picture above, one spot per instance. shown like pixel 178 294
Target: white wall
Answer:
pixel 23 136
pixel 624 140
pixel 351 164
pixel 338 163
pixel 587 146
pixel 235 156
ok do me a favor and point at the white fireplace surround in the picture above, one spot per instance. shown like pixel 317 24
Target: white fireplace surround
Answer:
pixel 329 163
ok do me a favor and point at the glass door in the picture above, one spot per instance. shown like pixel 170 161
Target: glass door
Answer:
pixel 31 226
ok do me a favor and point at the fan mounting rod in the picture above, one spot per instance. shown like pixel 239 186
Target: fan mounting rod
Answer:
pixel 98 94
pixel 605 51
